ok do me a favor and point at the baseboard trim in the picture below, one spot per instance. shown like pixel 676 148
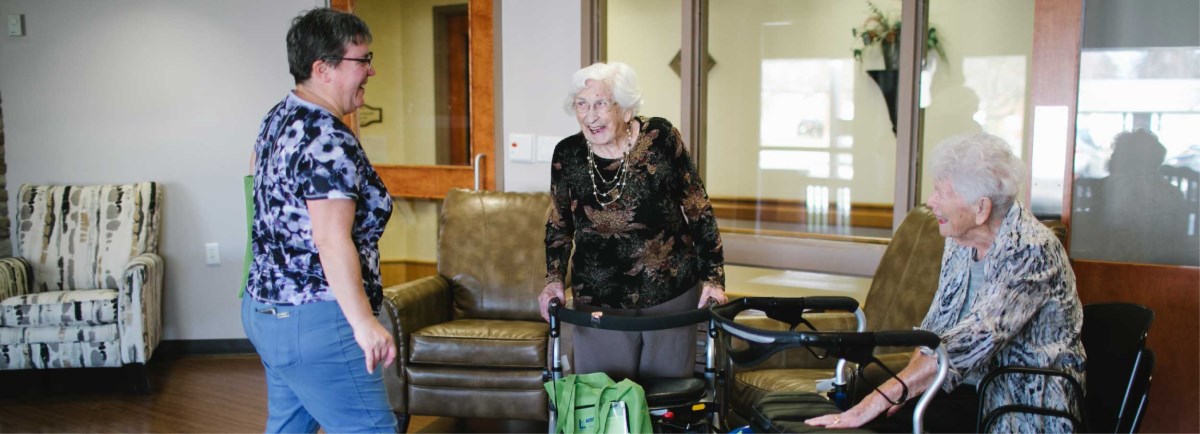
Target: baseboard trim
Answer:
pixel 193 347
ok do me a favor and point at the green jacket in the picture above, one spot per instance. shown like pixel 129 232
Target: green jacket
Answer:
pixel 577 398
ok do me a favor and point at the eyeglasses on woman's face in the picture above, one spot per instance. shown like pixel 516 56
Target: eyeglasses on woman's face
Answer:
pixel 365 59
pixel 582 106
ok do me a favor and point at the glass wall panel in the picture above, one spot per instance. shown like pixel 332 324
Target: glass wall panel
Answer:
pixel 981 84
pixel 1137 155
pixel 799 139
pixel 646 36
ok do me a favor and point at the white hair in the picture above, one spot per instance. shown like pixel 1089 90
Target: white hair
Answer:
pixel 980 165
pixel 621 80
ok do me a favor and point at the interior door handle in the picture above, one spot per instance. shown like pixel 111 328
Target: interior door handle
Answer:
pixel 478 158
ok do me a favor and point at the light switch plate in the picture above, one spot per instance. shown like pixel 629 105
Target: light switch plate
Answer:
pixel 545 148
pixel 16 25
pixel 212 253
pixel 520 148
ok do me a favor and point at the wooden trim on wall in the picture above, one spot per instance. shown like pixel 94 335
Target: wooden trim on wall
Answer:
pixel 425 182
pixel 694 79
pixel 870 215
pixel 483 90
pixel 1054 81
pixel 594 47
pixel 397 271
pixel 342 5
pixel 1173 293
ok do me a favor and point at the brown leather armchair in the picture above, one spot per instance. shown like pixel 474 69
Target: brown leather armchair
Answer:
pixel 900 294
pixel 470 340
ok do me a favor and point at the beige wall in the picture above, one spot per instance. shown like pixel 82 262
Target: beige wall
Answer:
pixel 171 91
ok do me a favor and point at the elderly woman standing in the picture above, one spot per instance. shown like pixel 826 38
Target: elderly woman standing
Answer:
pixel 629 200
pixel 1006 297
pixel 320 209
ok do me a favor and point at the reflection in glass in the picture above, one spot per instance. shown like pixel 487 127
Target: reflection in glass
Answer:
pixel 981 84
pixel 645 36
pixel 1137 156
pixel 798 135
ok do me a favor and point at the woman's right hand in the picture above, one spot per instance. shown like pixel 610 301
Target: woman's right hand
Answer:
pixel 551 291
pixel 376 343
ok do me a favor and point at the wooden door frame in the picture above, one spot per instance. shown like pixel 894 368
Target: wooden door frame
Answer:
pixel 433 181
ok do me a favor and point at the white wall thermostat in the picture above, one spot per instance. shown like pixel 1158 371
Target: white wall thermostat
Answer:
pixel 16 25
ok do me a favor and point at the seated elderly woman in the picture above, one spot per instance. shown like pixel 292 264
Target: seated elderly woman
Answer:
pixel 1006 297
pixel 631 216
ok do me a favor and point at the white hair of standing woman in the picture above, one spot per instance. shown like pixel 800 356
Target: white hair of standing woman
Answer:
pixel 622 81
pixel 980 165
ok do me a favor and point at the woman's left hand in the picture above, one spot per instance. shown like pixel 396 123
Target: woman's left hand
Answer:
pixel 715 293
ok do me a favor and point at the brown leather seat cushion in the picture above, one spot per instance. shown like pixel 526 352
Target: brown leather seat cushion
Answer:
pixel 472 342
pixel 750 386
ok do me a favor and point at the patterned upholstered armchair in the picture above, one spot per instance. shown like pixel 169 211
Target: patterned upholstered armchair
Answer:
pixel 84 288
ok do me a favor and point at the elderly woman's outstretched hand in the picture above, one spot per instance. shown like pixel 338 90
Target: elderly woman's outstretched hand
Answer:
pixel 710 291
pixel 551 291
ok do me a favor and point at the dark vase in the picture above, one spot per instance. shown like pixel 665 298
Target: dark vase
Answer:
pixel 887 79
pixel 891 53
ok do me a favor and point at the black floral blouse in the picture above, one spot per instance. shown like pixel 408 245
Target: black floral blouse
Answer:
pixel 655 242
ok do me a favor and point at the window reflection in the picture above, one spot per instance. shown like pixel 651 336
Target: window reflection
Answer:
pixel 1137 160
pixel 981 85
pixel 798 135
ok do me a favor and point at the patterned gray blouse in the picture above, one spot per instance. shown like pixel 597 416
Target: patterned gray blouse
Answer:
pixel 304 153
pixel 1026 313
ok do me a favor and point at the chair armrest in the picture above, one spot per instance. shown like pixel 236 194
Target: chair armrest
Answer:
pixel 139 308
pixel 407 308
pixel 418 304
pixel 16 277
pixel 801 358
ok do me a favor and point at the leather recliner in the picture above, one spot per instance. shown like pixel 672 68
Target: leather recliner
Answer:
pixel 470 340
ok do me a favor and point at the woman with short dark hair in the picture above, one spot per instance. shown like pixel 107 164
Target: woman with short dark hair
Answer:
pixel 319 210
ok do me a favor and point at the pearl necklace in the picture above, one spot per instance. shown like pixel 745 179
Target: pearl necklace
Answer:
pixel 612 188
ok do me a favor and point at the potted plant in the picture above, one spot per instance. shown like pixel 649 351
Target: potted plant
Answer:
pixel 879 29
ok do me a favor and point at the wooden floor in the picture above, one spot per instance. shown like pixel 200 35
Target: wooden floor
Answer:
pixel 191 394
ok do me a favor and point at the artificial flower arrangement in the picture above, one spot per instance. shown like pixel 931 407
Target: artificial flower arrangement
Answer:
pixel 879 29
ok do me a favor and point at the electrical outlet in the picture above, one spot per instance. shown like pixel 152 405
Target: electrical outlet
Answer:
pixel 212 253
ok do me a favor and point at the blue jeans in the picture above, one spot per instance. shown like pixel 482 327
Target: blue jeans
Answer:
pixel 316 373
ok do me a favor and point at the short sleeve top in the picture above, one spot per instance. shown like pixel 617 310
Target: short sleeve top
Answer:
pixel 303 153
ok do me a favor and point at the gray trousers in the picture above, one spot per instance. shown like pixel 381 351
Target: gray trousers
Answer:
pixel 667 353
